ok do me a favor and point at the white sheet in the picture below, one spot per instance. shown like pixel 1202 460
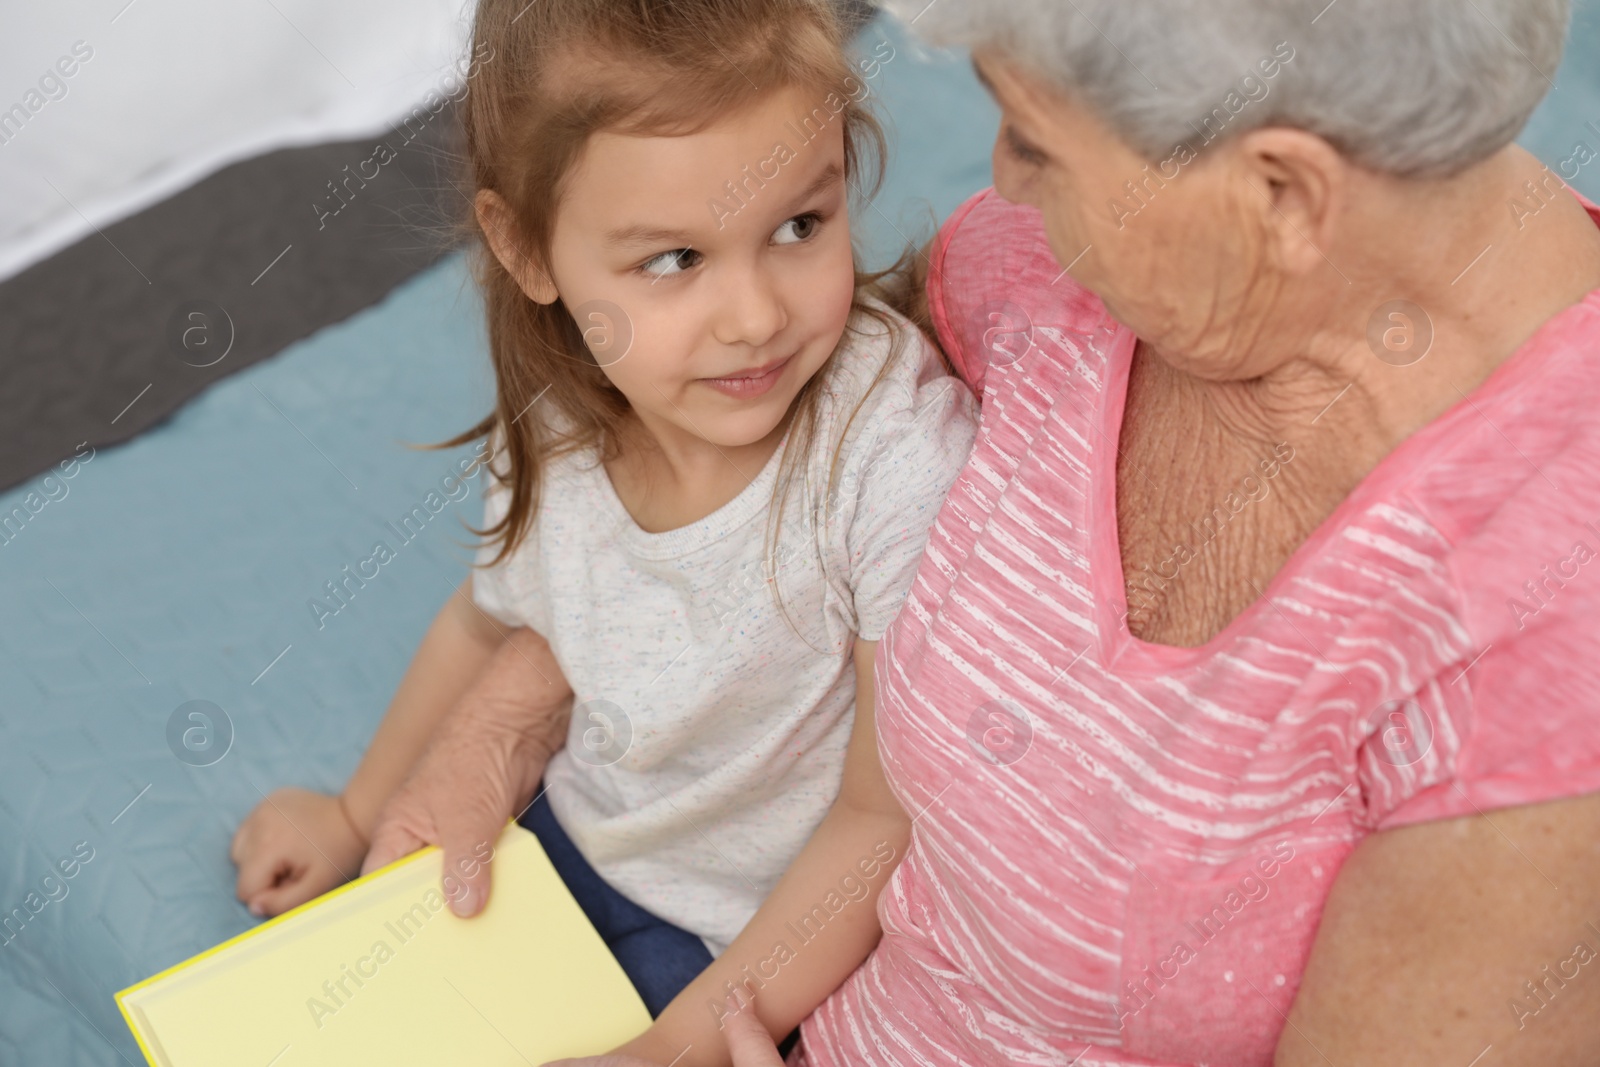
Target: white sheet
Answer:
pixel 163 92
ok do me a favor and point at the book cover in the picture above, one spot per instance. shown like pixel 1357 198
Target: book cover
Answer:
pixel 380 971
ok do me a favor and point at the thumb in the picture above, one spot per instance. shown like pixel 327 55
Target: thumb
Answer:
pixel 748 1040
pixel 392 840
pixel 467 841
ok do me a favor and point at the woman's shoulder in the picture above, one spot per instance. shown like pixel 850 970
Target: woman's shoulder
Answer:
pixel 1511 491
pixel 1519 486
pixel 993 270
pixel 1528 430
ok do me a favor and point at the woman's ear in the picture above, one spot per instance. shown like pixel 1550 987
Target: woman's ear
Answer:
pixel 505 241
pixel 1302 182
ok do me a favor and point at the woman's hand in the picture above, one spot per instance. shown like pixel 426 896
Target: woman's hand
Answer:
pixel 295 845
pixel 748 1043
pixel 481 768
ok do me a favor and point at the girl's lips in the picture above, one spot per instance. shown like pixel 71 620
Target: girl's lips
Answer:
pixel 750 383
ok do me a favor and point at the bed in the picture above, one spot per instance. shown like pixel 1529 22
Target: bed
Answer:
pixel 172 575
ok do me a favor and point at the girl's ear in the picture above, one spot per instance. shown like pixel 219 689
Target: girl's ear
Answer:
pixel 499 227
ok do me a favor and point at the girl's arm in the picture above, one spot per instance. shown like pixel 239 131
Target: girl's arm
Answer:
pixel 819 923
pixel 298 844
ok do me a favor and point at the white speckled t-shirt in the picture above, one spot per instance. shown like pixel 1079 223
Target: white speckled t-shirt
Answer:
pixel 708 736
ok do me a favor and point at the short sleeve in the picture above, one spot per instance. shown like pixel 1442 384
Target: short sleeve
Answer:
pixel 920 440
pixel 506 591
pixel 1534 730
pixel 1529 684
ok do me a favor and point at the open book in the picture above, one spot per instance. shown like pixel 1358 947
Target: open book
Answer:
pixel 381 972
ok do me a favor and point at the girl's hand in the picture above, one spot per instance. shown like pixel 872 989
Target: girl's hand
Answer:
pixel 295 845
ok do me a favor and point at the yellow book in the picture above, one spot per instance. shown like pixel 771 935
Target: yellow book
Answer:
pixel 381 972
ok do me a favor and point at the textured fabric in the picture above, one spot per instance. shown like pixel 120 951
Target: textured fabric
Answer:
pixel 658 958
pixel 1121 850
pixel 709 729
pixel 230 271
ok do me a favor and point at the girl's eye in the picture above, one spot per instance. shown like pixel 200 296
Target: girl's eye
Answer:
pixel 669 263
pixel 803 227
pixel 800 228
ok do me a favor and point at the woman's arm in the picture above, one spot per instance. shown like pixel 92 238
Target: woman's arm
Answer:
pixel 298 843
pixel 827 896
pixel 454 651
pixel 1472 942
pixel 482 764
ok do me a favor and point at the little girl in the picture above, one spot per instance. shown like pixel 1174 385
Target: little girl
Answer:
pixel 716 452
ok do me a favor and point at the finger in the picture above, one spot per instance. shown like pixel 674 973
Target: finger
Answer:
pixel 236 847
pixel 748 1040
pixel 280 898
pixel 467 840
pixel 390 841
pixel 259 873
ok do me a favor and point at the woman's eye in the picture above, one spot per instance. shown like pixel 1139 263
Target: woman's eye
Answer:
pixel 802 227
pixel 1021 150
pixel 669 263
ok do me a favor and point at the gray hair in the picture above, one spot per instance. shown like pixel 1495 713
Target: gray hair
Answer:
pixel 1417 88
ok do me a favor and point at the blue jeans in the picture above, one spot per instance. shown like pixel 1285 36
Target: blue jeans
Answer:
pixel 658 958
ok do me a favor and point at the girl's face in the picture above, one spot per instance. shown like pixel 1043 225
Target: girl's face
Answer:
pixel 731 303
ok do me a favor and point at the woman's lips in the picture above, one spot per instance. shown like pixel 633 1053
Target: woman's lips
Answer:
pixel 751 383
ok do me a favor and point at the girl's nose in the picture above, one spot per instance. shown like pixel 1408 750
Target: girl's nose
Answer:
pixel 751 310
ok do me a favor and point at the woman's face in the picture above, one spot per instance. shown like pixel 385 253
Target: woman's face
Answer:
pixel 1173 250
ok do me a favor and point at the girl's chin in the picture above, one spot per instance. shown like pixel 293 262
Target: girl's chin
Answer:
pixel 744 429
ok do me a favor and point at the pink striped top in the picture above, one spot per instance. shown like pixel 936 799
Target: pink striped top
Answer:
pixel 1120 849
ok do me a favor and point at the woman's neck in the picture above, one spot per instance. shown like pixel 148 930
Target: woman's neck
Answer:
pixel 1443 283
pixel 1308 368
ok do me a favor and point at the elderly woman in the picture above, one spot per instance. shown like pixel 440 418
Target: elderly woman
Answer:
pixel 1247 703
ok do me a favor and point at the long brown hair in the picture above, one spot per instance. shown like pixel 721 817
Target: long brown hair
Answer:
pixel 546 75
